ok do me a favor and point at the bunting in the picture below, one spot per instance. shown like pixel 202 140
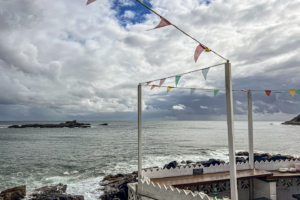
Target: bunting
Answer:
pixel 244 90
pixel 292 92
pixel 153 86
pixel 277 95
pixel 205 72
pixel 298 91
pixel 90 1
pixel 169 88
pixel 177 80
pixel 192 90
pixel 198 51
pixel 207 49
pixel 161 81
pixel 163 22
pixel 216 92
pixel 268 92
pixel 149 82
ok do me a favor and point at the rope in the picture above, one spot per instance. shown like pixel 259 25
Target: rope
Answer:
pixel 185 73
pixel 182 30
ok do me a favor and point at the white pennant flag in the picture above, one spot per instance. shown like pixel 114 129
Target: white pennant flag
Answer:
pixel 192 90
pixel 277 95
pixel 205 72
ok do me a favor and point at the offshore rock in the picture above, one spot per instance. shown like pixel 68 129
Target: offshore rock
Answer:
pixel 54 192
pixel 105 124
pixel 294 121
pixel 172 164
pixel 16 193
pixel 68 124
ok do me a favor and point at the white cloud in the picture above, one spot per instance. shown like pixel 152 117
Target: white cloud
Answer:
pixel 179 107
pixel 204 107
pixel 128 14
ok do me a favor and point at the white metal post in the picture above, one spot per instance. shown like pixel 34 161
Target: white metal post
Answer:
pixel 230 125
pixel 250 130
pixel 139 131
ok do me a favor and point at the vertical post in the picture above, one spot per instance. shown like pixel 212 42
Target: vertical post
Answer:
pixel 250 138
pixel 250 130
pixel 139 131
pixel 230 125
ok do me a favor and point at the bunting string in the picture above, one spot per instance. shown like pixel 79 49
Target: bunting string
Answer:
pixel 204 73
pixel 165 22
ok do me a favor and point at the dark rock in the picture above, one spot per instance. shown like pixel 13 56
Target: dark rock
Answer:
pixel 183 162
pixel 105 124
pixel 16 193
pixel 294 121
pixel 69 124
pixel 211 162
pixel 189 161
pixel 54 192
pixel 242 153
pixel 240 159
pixel 172 164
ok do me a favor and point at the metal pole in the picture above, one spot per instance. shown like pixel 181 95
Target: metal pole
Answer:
pixel 230 125
pixel 250 138
pixel 139 131
pixel 250 130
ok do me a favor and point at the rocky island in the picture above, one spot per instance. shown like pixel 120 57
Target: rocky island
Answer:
pixel 295 121
pixel 68 124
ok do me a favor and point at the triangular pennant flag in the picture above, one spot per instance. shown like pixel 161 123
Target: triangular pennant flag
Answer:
pixel 277 95
pixel 244 90
pixel 169 88
pixel 268 92
pixel 90 1
pixel 192 90
pixel 198 51
pixel 292 92
pixel 153 86
pixel 163 22
pixel 149 82
pixel 207 49
pixel 161 81
pixel 216 92
pixel 177 80
pixel 204 72
pixel 298 91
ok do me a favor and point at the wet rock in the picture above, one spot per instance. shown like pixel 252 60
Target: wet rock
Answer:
pixel 294 121
pixel 242 153
pixel 189 161
pixel 172 164
pixel 105 124
pixel 212 162
pixel 115 186
pixel 54 192
pixel 16 193
pixel 240 159
pixel 183 162
pixel 68 124
pixel 14 126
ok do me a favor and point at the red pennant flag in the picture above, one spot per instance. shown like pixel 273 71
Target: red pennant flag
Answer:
pixel 90 1
pixel 161 81
pixel 198 51
pixel 268 92
pixel 163 22
pixel 149 82
pixel 244 90
pixel 153 86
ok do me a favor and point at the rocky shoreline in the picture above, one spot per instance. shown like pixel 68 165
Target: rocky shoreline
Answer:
pixel 114 187
pixel 68 124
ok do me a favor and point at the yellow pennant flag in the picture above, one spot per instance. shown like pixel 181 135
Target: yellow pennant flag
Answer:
pixel 207 49
pixel 169 88
pixel 292 92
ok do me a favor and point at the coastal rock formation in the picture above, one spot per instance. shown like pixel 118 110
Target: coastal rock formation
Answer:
pixel 16 193
pixel 68 124
pixel 54 192
pixel 263 157
pixel 295 121
pixel 115 186
pixel 105 124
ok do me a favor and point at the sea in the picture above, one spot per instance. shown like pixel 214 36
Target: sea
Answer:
pixel 81 158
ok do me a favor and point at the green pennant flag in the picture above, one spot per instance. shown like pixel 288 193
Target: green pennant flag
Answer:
pixel 177 80
pixel 298 91
pixel 216 92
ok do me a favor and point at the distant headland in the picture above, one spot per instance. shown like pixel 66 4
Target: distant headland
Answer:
pixel 295 121
pixel 68 124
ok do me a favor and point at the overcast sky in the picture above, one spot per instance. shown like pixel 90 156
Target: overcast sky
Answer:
pixel 63 60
